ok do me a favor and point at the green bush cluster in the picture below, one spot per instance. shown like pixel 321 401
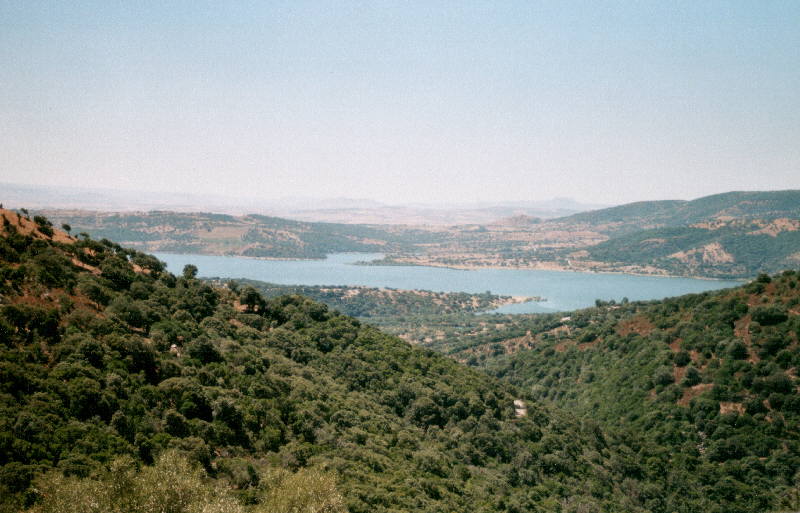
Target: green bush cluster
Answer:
pixel 174 484
pixel 369 303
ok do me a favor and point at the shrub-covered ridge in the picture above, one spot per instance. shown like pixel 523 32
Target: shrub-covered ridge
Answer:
pixel 708 379
pixel 105 355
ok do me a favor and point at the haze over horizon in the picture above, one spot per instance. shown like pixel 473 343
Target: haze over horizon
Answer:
pixel 410 103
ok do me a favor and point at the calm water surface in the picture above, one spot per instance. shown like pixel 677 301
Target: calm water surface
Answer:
pixel 562 290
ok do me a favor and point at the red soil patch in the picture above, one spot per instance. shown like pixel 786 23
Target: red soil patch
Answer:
pixel 695 356
pixel 675 345
pixel 46 300
pixel 53 298
pixel 560 329
pixel 562 346
pixel 639 325
pixel 742 330
pixel 524 342
pixel 587 345
pixel 692 392
pixel 92 269
pixel 28 227
pixel 678 373
pixel 730 408
pixel 518 344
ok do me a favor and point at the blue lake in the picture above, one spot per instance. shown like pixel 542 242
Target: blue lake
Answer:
pixel 562 290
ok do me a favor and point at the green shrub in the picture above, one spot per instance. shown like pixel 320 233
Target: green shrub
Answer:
pixel 176 485
pixel 682 359
pixel 769 315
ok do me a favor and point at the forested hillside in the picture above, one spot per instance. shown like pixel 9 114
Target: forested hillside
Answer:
pixel 710 378
pixel 370 302
pixel 122 384
pixel 727 249
pixel 252 235
pixel 731 235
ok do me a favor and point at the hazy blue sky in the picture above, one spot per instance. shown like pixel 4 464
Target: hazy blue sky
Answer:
pixel 403 101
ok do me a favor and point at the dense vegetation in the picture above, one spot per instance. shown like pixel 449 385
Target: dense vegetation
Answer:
pixel 176 484
pixel 708 378
pixel 466 336
pixel 119 377
pixel 369 302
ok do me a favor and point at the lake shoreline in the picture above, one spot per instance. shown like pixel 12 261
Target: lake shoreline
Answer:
pixel 544 266
pixel 564 289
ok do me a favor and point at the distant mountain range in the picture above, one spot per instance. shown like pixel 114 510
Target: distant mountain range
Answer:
pixel 335 210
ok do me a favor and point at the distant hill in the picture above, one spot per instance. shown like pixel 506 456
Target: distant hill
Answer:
pixel 736 234
pixel 252 235
pixel 438 215
pixel 720 249
pixel 517 221
pixel 765 205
